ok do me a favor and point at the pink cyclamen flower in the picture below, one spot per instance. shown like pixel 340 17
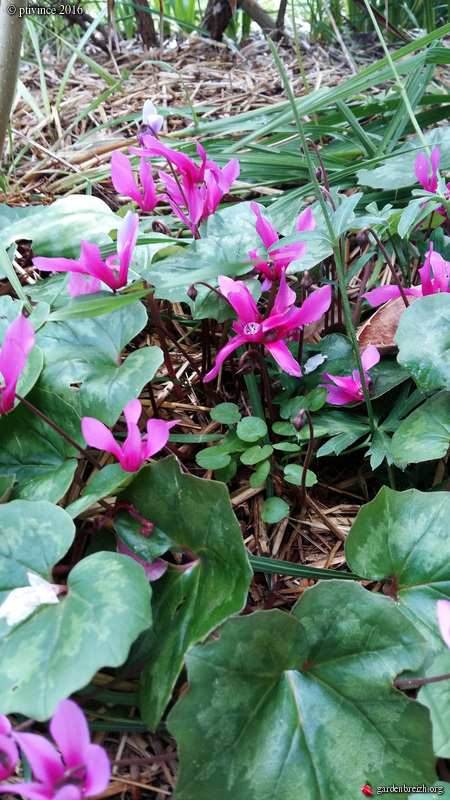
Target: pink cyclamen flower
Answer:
pixel 198 189
pixel 124 181
pixel 19 340
pixel 9 754
pixel 281 257
pixel 90 263
pixel 349 389
pixel 426 173
pixel 443 616
pixel 82 770
pixel 136 448
pixel 282 323
pixel 440 282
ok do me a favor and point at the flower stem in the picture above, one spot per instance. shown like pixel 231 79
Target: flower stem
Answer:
pixel 350 329
pixel 59 430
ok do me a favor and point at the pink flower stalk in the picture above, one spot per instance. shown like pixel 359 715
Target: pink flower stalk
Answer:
pixel 82 770
pixel 439 283
pixel 90 262
pixel 426 174
pixel 9 754
pixel 349 390
pixel 124 181
pixel 282 323
pixel 19 340
pixel 282 256
pixel 136 448
pixel 443 616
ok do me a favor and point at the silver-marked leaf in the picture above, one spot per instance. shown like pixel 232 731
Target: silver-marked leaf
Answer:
pixel 298 688
pixel 58 649
pixel 39 457
pixel 72 217
pixel 423 339
pixel 83 362
pixel 425 433
pixel 187 604
pixel 403 537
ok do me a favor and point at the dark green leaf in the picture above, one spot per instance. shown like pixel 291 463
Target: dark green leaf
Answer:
pixel 251 429
pixel 213 458
pixel 274 509
pixel 403 537
pixel 298 700
pixel 83 362
pixel 228 413
pixel 425 433
pixel 293 474
pixel 58 649
pixel 256 454
pixel 187 604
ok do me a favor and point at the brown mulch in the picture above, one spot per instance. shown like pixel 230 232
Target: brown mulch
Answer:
pixel 220 79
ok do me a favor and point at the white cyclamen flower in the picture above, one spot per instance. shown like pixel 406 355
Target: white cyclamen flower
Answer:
pixel 151 118
pixel 21 602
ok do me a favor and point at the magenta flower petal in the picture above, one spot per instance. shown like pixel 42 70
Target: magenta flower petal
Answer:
pixel 91 263
pixel 306 221
pixel 370 357
pixel 99 436
pixel 157 435
pixel 311 310
pixel 19 340
pixel 434 163
pixel 284 358
pixel 443 616
pixel 68 792
pixel 83 284
pixel 57 265
pixel 122 177
pixel 45 762
pixel 226 350
pixel 9 756
pixel 240 298
pixel 441 273
pixel 32 791
pixel 285 298
pixel 70 731
pixel 421 170
pixel 130 457
pixel 127 234
pixel 98 770
pixel 21 331
pixel 132 412
pixel 264 228
pixel 149 200
pixel 338 397
pixel 229 174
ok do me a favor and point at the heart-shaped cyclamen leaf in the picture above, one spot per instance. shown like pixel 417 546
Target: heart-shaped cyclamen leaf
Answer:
pixel 57 650
pixel 187 603
pixel 427 355
pixel 299 688
pixel 403 537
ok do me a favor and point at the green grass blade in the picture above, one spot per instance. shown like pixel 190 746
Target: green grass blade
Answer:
pixel 8 269
pixel 273 566
pixel 77 53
